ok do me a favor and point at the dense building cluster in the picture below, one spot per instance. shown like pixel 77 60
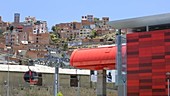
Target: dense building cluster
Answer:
pixel 90 32
pixel 24 40
pixel 31 39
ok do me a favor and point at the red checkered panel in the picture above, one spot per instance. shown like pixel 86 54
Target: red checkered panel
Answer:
pixel 148 60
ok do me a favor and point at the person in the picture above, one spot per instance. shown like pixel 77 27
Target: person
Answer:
pixel 109 77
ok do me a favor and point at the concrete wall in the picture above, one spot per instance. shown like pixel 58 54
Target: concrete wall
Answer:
pixel 18 87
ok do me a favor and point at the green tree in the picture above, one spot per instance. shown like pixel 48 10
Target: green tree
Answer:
pixel 1 32
pixel 55 31
pixel 54 38
pixel 59 94
pixel 65 46
pixel 57 28
pixel 53 28
pixel 57 34
pixel 93 34
pixel 11 28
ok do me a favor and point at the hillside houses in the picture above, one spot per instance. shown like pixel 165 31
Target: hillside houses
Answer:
pixel 30 39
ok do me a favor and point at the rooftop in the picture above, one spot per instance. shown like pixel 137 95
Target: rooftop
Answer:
pixel 141 21
pixel 42 69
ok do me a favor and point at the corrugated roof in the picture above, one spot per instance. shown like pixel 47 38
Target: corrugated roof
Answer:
pixel 141 21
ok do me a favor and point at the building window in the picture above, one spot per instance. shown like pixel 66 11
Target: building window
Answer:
pixel 73 81
pixel 40 80
pixel 101 40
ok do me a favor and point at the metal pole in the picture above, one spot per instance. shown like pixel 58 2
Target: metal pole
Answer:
pixel 147 28
pixel 8 71
pixel 124 88
pixel 10 49
pixel 8 81
pixel 78 87
pixel 8 43
pixel 56 88
pixel 168 86
pixel 119 62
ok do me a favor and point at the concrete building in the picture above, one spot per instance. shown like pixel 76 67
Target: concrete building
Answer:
pixel 42 38
pixel 30 19
pixel 28 33
pixel 75 33
pixel 89 18
pixel 3 25
pixel 16 18
pixel 86 22
pixel 105 19
pixel 76 25
pixel 68 30
pixel 85 33
pixel 40 27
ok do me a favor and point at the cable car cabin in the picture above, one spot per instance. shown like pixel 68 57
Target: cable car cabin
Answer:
pixel 31 77
pixel 94 58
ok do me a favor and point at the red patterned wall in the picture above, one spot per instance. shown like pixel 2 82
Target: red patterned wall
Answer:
pixel 148 60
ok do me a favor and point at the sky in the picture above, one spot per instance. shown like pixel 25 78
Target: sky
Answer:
pixel 62 11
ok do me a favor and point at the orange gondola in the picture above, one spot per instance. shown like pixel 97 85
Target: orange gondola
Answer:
pixel 94 58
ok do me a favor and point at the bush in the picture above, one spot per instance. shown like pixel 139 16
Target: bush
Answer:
pixel 59 94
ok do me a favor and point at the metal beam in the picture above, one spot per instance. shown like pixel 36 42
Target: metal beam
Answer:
pixel 119 62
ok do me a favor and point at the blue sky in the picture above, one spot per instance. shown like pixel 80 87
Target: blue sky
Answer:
pixel 60 11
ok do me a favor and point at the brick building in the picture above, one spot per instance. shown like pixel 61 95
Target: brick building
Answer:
pixel 17 18
pixel 30 19
pixel 3 25
pixel 28 36
pixel 84 28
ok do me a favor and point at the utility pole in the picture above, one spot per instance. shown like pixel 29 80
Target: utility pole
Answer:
pixel 56 80
pixel 56 64
pixel 8 77
pixel 78 87
pixel 55 61
pixel 9 48
pixel 119 62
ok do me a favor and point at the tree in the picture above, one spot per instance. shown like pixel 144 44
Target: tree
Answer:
pixel 1 32
pixel 93 34
pixel 57 29
pixel 53 28
pixel 65 46
pixel 59 94
pixel 54 38
pixel 57 34
pixel 11 28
